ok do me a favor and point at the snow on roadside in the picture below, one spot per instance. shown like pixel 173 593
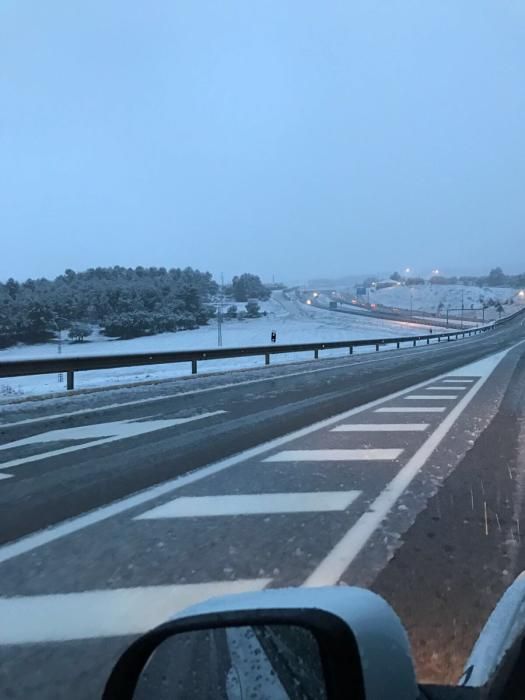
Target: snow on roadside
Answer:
pixel 428 297
pixel 293 322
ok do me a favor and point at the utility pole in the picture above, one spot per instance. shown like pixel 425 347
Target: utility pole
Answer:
pixel 462 305
pixel 219 313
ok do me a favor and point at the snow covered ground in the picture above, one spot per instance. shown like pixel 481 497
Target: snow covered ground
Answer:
pixel 428 297
pixel 293 322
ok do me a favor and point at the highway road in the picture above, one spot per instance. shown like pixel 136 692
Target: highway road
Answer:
pixel 120 507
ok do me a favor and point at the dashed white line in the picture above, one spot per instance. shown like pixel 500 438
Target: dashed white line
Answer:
pixel 252 504
pixel 446 388
pixel 380 427
pixel 411 409
pixel 334 455
pixel 434 397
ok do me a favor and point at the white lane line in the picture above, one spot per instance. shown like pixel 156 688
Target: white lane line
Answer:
pixel 5 476
pixel 354 362
pixel 333 566
pixel 334 455
pixel 117 430
pixel 256 504
pixel 459 379
pixel 80 522
pixel 446 388
pixel 433 397
pixel 105 613
pixel 411 409
pixel 380 427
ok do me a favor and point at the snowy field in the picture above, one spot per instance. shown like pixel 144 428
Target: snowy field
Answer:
pixel 428 297
pixel 293 322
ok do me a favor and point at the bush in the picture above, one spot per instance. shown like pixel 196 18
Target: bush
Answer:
pixel 79 331
pixel 253 309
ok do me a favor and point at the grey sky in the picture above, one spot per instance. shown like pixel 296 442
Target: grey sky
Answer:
pixel 297 138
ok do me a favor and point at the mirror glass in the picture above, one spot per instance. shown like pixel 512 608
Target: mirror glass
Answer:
pixel 265 662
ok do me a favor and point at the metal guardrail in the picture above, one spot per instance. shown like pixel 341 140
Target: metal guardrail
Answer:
pixel 70 365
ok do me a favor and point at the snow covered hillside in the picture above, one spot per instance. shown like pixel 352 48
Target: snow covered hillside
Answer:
pixel 432 297
pixel 293 322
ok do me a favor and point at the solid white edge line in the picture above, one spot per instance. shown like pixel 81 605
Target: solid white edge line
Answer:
pixel 79 522
pixel 332 567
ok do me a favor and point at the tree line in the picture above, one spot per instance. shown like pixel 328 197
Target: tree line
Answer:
pixel 124 302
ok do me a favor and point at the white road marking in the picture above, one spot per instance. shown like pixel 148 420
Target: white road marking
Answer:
pixel 252 504
pixel 117 430
pixel 333 566
pixel 334 455
pixel 379 427
pixel 105 613
pixel 5 476
pixel 456 387
pixel 351 362
pixel 460 379
pixel 80 522
pixel 434 397
pixel 411 409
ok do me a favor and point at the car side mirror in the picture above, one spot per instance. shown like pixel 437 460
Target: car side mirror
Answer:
pixel 318 643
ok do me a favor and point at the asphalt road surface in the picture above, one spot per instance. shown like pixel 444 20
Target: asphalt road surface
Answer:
pixel 121 507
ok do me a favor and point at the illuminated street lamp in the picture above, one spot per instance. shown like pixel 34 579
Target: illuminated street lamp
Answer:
pixel 308 301
pixel 435 272
pixel 521 293
pixel 407 270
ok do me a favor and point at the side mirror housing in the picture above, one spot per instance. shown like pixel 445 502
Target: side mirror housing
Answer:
pixel 331 643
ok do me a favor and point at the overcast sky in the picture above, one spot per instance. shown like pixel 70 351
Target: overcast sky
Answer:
pixel 294 138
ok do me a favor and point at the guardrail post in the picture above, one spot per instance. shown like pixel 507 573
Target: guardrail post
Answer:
pixel 194 366
pixel 377 347
pixel 439 339
pixel 428 341
pixel 350 349
pixel 398 344
pixel 316 354
pixel 70 381
pixel 414 344
pixel 267 358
